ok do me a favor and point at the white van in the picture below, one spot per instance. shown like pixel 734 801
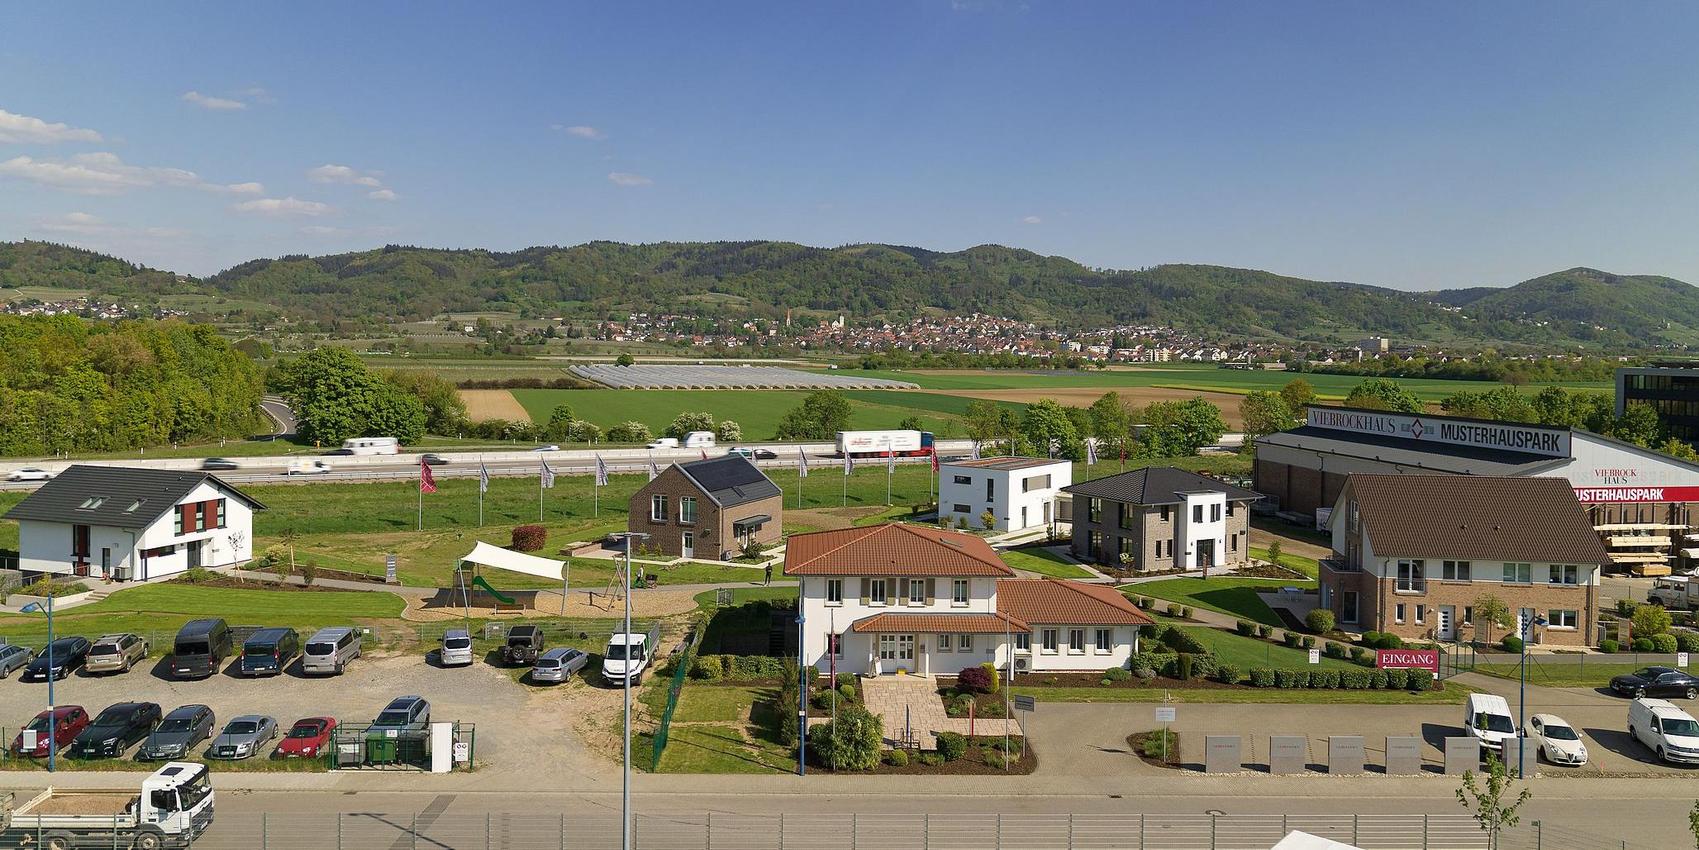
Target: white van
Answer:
pixel 456 648
pixel 699 440
pixel 663 443
pixel 371 446
pixel 1487 717
pixel 1666 730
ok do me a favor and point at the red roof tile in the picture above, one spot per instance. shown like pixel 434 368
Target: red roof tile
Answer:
pixel 1048 600
pixel 892 549
pixel 978 624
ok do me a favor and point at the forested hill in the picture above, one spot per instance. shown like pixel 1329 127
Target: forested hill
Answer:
pixel 766 278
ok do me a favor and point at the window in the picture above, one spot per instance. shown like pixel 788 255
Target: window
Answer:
pixel 1351 522
pixel 1023 641
pixel 1398 613
pixel 687 509
pixel 1096 545
pixel 1047 640
pixel 220 512
pixel 1159 549
pixel 963 479
pixel 177 517
pixel 1565 573
pixel 964 643
pixel 1454 570
pixel 79 540
pixel 835 645
pixel 1229 510
pixel 917 591
pixel 135 506
pixel 1411 578
pixel 958 592
pixel 1076 641
pixel 1197 513
pixel 1164 513
pixel 1561 619
pixel 1518 573
pixel 1232 542
pixel 1125 511
pixel 1103 642
pixel 658 508
pixel 960 508
pixel 876 591
pixel 1348 612
pixel 91 503
pixel 1214 513
pixel 1124 547
pixel 1036 482
pixel 944 643
pixel 1421 615
pixel 834 591
pixel 990 489
pixel 1094 510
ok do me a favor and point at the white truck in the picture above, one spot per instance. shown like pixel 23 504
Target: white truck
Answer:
pixel 699 440
pixel 172 810
pixel 1674 592
pixel 626 657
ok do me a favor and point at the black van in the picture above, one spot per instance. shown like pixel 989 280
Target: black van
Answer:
pixel 268 652
pixel 201 646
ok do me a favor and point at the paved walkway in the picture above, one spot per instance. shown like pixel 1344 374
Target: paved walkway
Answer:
pixel 912 702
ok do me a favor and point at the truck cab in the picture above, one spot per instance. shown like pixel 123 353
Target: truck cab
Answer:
pixel 173 809
pixel 1673 592
pixel 625 658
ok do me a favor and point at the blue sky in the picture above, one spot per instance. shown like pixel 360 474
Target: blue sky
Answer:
pixel 1436 145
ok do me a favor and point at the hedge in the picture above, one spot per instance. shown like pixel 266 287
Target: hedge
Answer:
pixel 737 667
pixel 1354 680
pixel 1687 641
pixel 1245 627
pixel 1665 643
pixel 1179 640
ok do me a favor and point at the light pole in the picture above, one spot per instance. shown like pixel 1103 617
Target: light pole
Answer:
pixel 625 775
pixel 52 718
pixel 1527 624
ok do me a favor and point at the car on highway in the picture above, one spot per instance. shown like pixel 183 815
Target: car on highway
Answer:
pixel 219 463
pixel 115 730
pixel 70 721
pixel 748 453
pixel 551 447
pixel 308 738
pixel 243 737
pixel 116 653
pixel 1557 740
pixel 558 664
pixel 408 713
pixel 1656 682
pixel 29 473
pixel 13 657
pixel 68 653
pixel 434 460
pixel 307 467
pixel 663 443
pixel 176 736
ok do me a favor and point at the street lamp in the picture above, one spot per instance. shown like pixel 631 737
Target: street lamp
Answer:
pixel 1527 624
pixel 52 717
pixel 625 777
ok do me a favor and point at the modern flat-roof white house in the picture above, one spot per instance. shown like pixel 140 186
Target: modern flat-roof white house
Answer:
pixel 130 524
pixel 1020 492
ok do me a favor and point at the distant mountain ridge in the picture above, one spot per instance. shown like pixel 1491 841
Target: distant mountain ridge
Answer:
pixel 765 279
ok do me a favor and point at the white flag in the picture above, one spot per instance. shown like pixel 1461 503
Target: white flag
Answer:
pixel 601 472
pixel 976 450
pixel 801 463
pixel 849 463
pixel 891 462
pixel 483 478
pixel 548 475
pixel 654 471
pixel 1090 451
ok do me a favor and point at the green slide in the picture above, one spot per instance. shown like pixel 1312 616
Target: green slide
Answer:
pixel 478 581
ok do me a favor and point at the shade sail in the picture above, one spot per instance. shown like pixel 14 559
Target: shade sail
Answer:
pixel 486 555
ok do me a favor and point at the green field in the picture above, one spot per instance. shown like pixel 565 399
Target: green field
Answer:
pixel 1234 596
pixel 1453 694
pixel 758 411
pixel 163 608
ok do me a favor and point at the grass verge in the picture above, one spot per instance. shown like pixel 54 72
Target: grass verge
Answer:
pixel 1233 596
pixel 1044 562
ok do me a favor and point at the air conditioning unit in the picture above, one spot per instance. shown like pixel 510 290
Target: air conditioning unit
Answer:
pixel 1023 664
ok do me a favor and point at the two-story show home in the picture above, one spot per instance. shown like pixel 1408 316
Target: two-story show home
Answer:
pixel 1019 492
pixel 1414 554
pixel 708 508
pixel 1161 518
pixel 128 524
pixel 922 600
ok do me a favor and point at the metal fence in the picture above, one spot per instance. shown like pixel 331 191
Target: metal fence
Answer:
pixel 432 830
pixel 681 669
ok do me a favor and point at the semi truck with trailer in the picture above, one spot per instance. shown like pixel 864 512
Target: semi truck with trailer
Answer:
pixel 902 443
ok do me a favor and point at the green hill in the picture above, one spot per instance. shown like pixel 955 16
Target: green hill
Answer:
pixel 1583 302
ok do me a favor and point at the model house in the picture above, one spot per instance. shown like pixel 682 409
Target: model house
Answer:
pixel 708 508
pixel 1019 492
pixel 1414 554
pixel 128 524
pixel 1161 518
pixel 921 600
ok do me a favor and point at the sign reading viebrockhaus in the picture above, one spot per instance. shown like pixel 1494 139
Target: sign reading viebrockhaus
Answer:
pixel 1510 436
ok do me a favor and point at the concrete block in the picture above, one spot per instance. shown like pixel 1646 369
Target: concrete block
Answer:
pixel 1403 755
pixel 1530 756
pixel 1223 754
pixel 1345 754
pixel 1288 754
pixel 1462 755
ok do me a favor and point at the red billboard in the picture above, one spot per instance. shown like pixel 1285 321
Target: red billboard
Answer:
pixel 1407 659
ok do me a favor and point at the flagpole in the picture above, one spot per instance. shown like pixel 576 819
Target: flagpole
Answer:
pixel 421 505
pixel 483 481
pixel 540 494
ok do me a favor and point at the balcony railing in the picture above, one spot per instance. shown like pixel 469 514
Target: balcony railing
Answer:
pixel 1340 565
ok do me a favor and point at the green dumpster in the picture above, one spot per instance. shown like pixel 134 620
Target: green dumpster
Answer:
pixel 380 748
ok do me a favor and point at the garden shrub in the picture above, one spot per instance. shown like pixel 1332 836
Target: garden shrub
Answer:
pixel 958 705
pixel 1173 609
pixel 846 693
pixel 1145 602
pixel 851 741
pixel 1162 663
pixel 1144 673
pixel 1264 630
pixel 1245 628
pixel 1319 620
pixel 1290 638
pixel 707 668
pixel 931 759
pixel 996 679
pixel 1203 666
pixel 995 758
pixel 1397 680
pixel 1649 620
pixel 845 680
pixel 1354 680
pixel 1117 674
pixel 974 680
pixel 1665 643
pixel 1184 666
pixel 1262 677
pixel 1324 679
pixel 1511 643
pixel 896 758
pixel 952 745
pixel 1186 611
pixel 529 538
pixel 1377 679
pixel 1687 641
pixel 1227 674
pixel 1608 646
pixel 1180 640
pixel 1308 641
pixel 1300 678
pixel 1285 678
pixel 1333 650
pixel 751 667
pixel 1360 655
pixel 1642 645
pixel 1421 680
pixel 1625 607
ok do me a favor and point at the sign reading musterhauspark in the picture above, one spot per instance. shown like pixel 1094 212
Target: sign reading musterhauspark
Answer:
pixel 1510 436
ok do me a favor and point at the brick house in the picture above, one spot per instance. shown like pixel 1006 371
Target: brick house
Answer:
pixel 708 508
pixel 1161 518
pixel 1413 554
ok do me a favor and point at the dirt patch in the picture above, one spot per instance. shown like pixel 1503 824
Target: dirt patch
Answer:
pixel 1270 571
pixel 1260 538
pixel 1137 741
pixel 660 602
pixel 1084 396
pixel 826 519
pixel 493 404
pixel 256 584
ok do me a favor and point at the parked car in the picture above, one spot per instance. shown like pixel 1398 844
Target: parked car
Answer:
pixel 308 738
pixel 243 737
pixel 200 648
pixel 329 650
pixel 268 652
pixel 115 730
pixel 1668 731
pixel 13 657
pixel 307 467
pixel 68 654
pixel 29 473
pixel 1557 740
pixel 748 453
pixel 558 664
pixel 213 463
pixel 524 644
pixel 176 736
pixel 409 713
pixel 456 648
pixel 1656 682
pixel 663 443
pixel 434 460
pixel 551 447
pixel 1487 718
pixel 70 721
pixel 116 653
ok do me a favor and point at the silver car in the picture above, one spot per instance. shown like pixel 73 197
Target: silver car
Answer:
pixel 243 737
pixel 558 664
pixel 116 653
pixel 14 657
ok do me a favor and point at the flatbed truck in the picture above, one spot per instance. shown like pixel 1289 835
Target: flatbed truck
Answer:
pixel 173 808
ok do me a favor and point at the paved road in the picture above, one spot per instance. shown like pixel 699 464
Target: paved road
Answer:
pixel 283 419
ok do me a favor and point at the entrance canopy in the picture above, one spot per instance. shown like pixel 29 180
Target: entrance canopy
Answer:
pixel 486 555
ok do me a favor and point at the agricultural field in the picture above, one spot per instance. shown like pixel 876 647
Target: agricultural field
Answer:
pixel 758 411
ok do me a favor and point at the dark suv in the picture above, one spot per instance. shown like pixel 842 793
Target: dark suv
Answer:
pixel 524 644
pixel 115 730
pixel 67 655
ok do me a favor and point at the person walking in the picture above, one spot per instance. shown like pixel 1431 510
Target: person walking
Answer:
pixel 768 579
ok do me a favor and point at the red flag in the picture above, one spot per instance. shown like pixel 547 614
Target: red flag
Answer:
pixel 427 481
pixel 934 461
pixel 704 454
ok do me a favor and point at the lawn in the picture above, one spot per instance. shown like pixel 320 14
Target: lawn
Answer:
pixel 701 703
pixel 1234 596
pixel 1582 672
pixel 163 608
pixel 721 748
pixel 705 599
pixel 1453 694
pixel 1044 562
pixel 1305 565
pixel 1246 652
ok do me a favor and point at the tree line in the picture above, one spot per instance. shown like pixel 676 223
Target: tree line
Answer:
pixel 1484 367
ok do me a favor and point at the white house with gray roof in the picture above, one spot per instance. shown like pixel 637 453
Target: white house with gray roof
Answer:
pixel 132 524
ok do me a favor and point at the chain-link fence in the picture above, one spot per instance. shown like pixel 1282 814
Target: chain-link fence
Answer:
pixel 598 829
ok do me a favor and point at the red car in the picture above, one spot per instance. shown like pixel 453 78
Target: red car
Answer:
pixel 308 738
pixel 72 719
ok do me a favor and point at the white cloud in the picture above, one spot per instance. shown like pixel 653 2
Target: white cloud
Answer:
pixel 343 174
pixel 324 230
pixel 217 104
pixel 625 178
pixel 22 129
pixel 96 174
pixel 87 224
pixel 77 222
pixel 1032 219
pixel 284 206
pixel 580 131
pixel 382 195
pixel 244 188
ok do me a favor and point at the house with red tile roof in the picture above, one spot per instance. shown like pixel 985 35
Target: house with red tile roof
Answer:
pixel 921 600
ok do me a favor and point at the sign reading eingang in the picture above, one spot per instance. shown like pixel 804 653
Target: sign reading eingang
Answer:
pixel 1511 436
pixel 1407 659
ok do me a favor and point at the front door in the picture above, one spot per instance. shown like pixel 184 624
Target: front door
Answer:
pixel 1446 629
pixel 1348 606
pixel 194 553
pixel 896 652
pixel 105 563
pixel 688 547
pixel 1047 513
pixel 1206 553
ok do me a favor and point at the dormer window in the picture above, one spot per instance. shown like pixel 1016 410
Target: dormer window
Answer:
pixel 91 503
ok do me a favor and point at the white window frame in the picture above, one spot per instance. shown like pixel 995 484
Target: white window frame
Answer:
pixel 959 592
pixel 1023 641
pixel 658 507
pixel 1076 641
pixel 1047 641
pixel 1104 641
pixel 834 645
pixel 1398 613
pixel 877 592
pixel 834 591
pixel 917 592
pixel 1421 614
pixel 944 643
pixel 1554 619
pixel 964 480
pixel 964 643
pixel 1410 576
pixel 687 517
